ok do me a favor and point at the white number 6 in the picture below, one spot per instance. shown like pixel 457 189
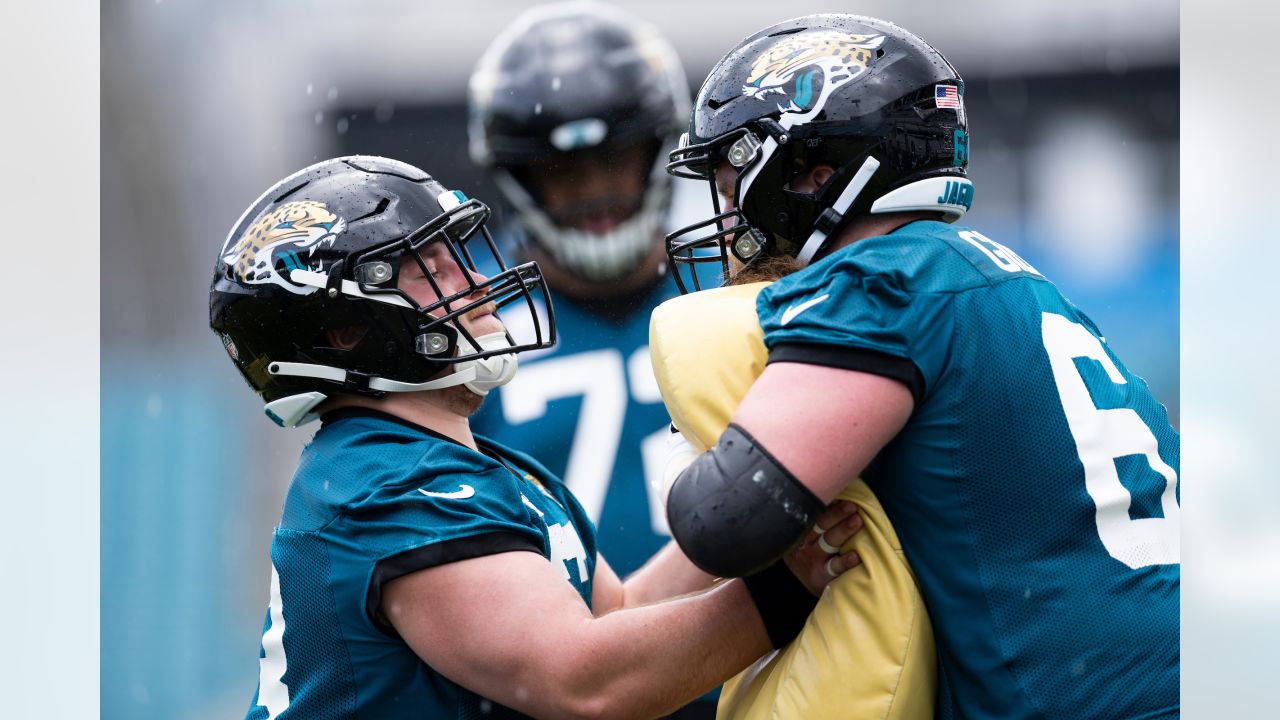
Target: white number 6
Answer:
pixel 1102 436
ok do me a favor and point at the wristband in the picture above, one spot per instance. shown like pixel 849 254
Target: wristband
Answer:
pixel 784 603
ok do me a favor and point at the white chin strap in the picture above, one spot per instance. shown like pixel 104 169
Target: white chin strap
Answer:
pixel 479 376
pixel 841 206
pixel 950 196
pixel 493 371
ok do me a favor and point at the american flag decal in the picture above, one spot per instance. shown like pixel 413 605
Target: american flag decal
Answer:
pixel 947 96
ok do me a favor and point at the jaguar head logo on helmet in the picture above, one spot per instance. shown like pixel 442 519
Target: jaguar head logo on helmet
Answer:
pixel 798 64
pixel 863 96
pixel 293 231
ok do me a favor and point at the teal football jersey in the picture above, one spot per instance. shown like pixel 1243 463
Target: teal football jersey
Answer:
pixel 590 410
pixel 376 498
pixel 1035 485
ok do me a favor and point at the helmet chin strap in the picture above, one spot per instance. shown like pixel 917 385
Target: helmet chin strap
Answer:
pixel 490 372
pixel 478 375
pixel 950 196
pixel 830 219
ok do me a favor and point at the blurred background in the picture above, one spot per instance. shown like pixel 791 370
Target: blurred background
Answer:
pixel 1074 115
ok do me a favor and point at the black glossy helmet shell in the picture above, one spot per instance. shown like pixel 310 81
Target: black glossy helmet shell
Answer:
pixel 320 251
pixel 832 89
pixel 570 76
pixel 879 74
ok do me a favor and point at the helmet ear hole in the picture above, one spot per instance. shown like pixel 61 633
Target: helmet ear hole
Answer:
pixel 345 338
pixel 813 178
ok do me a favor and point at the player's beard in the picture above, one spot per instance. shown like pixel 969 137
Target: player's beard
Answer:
pixel 461 400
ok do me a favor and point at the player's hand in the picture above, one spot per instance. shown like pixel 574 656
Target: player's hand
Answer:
pixel 813 560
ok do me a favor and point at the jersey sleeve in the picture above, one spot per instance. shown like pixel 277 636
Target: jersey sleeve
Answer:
pixel 557 489
pixel 447 508
pixel 864 309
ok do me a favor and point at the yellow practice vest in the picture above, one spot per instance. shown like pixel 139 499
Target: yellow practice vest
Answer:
pixel 867 650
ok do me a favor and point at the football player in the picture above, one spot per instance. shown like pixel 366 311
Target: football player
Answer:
pixel 1032 478
pixel 867 650
pixel 572 109
pixel 418 570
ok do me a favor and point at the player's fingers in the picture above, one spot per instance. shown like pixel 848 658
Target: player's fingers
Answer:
pixel 835 513
pixel 841 564
pixel 811 537
pixel 833 567
pixel 837 535
pixel 831 515
pixel 827 547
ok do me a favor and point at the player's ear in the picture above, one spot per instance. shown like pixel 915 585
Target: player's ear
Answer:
pixel 815 177
pixel 344 338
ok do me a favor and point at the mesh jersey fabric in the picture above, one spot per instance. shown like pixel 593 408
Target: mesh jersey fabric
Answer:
pixel 1025 482
pixel 867 650
pixel 375 498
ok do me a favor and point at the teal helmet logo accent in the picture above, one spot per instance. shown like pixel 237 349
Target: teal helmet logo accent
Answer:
pixel 960 140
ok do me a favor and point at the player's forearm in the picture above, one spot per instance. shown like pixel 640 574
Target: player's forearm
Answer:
pixel 648 661
pixel 669 573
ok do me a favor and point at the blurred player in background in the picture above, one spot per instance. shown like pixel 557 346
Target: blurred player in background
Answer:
pixel 420 571
pixel 573 108
pixel 1032 478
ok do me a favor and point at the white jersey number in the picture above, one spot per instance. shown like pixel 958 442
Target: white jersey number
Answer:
pixel 1101 436
pixel 1003 257
pixel 272 692
pixel 602 380
pixel 566 545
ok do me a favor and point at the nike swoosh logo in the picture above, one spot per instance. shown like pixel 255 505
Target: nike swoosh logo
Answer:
pixel 462 493
pixel 791 312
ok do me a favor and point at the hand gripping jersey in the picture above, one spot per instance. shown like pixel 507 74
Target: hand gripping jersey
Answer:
pixel 1035 485
pixel 376 498
pixel 590 411
pixel 867 650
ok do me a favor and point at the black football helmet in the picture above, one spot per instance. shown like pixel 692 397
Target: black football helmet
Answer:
pixel 863 95
pixel 321 250
pixel 570 77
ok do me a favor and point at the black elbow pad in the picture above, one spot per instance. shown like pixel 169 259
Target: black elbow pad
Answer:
pixel 735 510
